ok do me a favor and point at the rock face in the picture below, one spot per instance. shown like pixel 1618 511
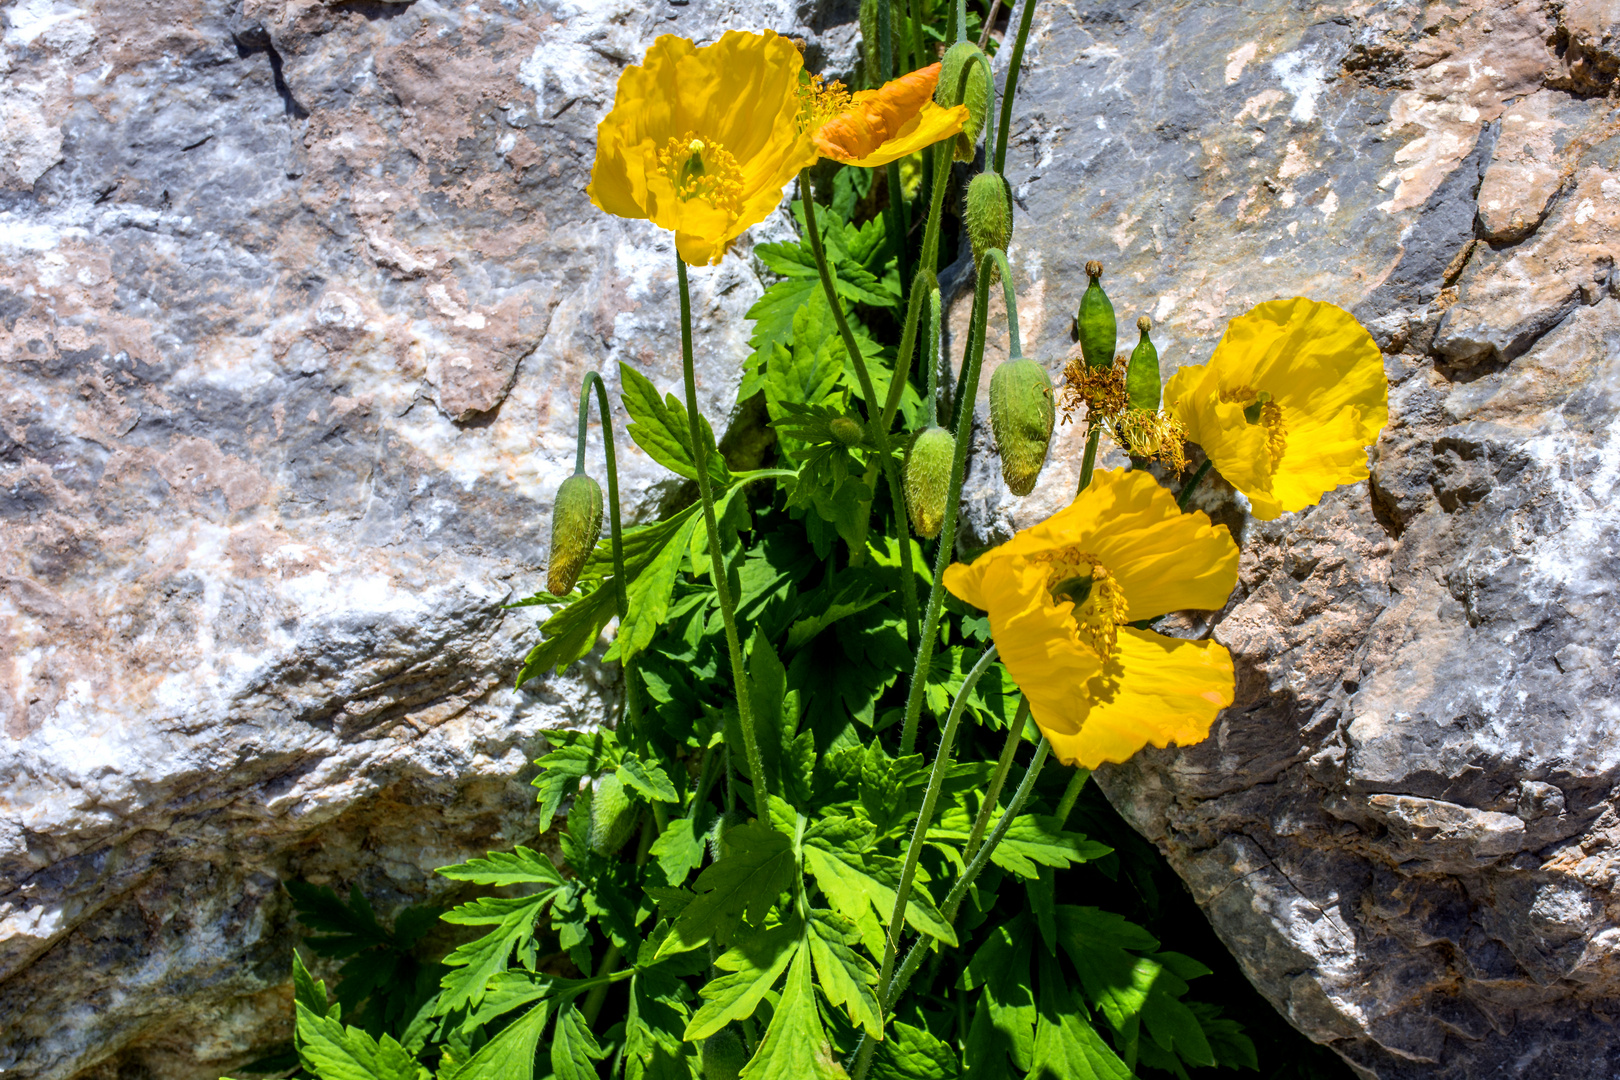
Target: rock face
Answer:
pixel 295 300
pixel 1405 826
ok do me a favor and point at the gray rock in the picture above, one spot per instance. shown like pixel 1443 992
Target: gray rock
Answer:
pixel 1404 826
pixel 295 301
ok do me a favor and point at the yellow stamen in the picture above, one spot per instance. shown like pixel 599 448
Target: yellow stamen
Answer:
pixel 1154 435
pixel 1259 408
pixel 821 101
pixel 702 169
pixel 1097 599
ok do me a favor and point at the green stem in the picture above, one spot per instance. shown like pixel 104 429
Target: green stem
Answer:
pixel 947 535
pixel 593 1000
pixel 1072 793
pixel 1015 347
pixel 961 21
pixel 1000 160
pixel 953 900
pixel 722 582
pixel 1191 486
pixel 830 288
pixel 935 315
pixel 919 834
pixel 936 204
pixel 1015 736
pixel 632 710
pixel 877 422
pixel 1089 463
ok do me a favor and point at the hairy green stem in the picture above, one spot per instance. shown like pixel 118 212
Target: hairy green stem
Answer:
pixel 919 837
pixel 1015 347
pixel 722 582
pixel 953 497
pixel 621 594
pixel 936 313
pixel 1015 735
pixel 1191 485
pixel 999 161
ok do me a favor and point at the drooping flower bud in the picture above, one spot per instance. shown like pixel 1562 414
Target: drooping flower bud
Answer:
pixel 976 94
pixel 576 523
pixel 722 1056
pixel 1098 331
pixel 846 429
pixel 989 216
pixel 612 815
pixel 1021 416
pixel 1142 377
pixel 928 479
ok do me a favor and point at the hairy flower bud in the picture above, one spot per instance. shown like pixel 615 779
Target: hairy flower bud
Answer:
pixel 976 94
pixel 613 817
pixel 989 216
pixel 928 479
pixel 576 523
pixel 1021 416
pixel 722 1056
pixel 1142 377
pixel 1095 321
pixel 846 430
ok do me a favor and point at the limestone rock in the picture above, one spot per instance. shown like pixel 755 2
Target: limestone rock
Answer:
pixel 295 300
pixel 1404 827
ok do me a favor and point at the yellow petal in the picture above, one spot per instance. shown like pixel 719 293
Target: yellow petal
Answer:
pixel 1165 560
pixel 920 132
pixel 1325 373
pixel 740 101
pixel 1156 691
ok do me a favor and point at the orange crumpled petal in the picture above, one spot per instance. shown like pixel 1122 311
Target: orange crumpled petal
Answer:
pixel 886 124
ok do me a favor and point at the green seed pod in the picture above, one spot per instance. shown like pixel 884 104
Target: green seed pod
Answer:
pixel 1098 331
pixel 928 479
pixel 576 524
pixel 976 94
pixel 846 430
pixel 1142 377
pixel 722 1056
pixel 613 817
pixel 989 216
pixel 1021 416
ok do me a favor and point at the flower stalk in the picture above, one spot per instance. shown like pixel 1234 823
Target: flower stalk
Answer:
pixel 717 562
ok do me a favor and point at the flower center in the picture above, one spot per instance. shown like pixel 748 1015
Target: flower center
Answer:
pixel 1077 578
pixel 820 101
pixel 702 169
pixel 1259 408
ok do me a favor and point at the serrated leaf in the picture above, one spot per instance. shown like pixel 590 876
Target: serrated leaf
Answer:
pixel 1003 1024
pixel 846 977
pixel 334 1052
pixel 509 1055
pixel 856 879
pixel 744 884
pixel 521 866
pixel 679 848
pixel 569 634
pixel 308 991
pixel 795 1046
pixel 647 777
pixel 573 1047
pixel 1066 1046
pixel 1103 946
pixel 754 967
pixel 474 963
pixel 913 1053
pixel 1168 1020
pixel 659 427
pixel 343 928
pixel 650 592
pixel 1231 1047
pixel 852 598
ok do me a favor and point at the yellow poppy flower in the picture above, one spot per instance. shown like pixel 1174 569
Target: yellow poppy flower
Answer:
pixel 703 140
pixel 1288 405
pixel 1060 595
pixel 874 127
